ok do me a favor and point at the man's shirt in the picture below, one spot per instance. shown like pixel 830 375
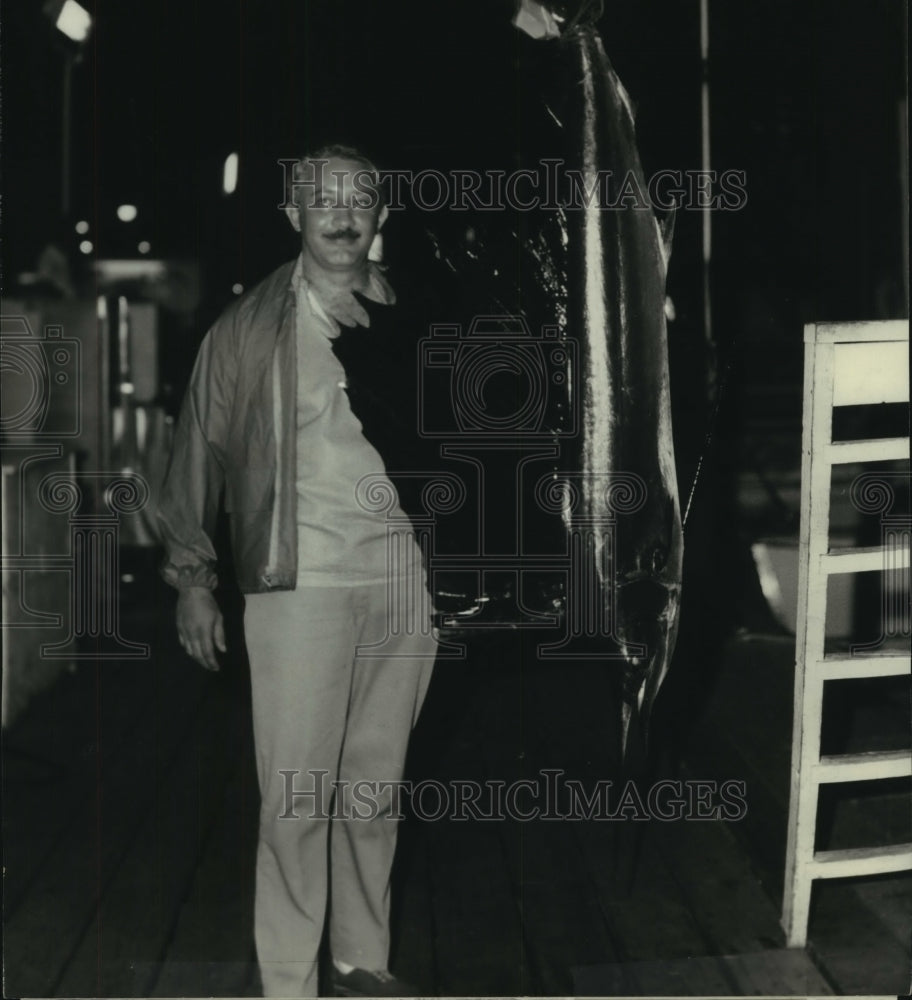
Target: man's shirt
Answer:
pixel 341 540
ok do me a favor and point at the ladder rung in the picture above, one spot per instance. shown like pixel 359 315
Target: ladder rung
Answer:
pixel 857 331
pixel 841 667
pixel 869 450
pixel 864 766
pixel 863 559
pixel 861 861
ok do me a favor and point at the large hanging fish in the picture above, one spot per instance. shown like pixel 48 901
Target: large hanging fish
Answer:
pixel 616 305
pixel 596 275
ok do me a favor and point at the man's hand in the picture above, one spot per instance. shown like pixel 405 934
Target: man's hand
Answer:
pixel 200 626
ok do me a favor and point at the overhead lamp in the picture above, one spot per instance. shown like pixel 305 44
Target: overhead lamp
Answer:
pixel 230 173
pixel 74 23
pixel 144 246
pixel 127 213
pixel 71 18
pixel 86 246
pixel 82 227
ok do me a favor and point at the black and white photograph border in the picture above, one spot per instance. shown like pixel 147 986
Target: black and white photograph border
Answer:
pixel 537 367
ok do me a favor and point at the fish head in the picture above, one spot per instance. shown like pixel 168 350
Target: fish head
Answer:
pixel 646 617
pixel 646 600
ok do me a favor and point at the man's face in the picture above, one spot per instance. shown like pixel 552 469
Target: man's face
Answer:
pixel 337 214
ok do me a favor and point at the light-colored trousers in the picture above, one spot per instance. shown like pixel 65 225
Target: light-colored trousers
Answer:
pixel 322 713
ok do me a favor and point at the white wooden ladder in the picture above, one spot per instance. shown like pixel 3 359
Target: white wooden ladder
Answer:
pixel 846 364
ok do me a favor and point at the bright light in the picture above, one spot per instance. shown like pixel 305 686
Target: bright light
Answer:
pixel 237 288
pixel 230 173
pixel 144 246
pixel 82 227
pixel 126 213
pixel 86 246
pixel 74 21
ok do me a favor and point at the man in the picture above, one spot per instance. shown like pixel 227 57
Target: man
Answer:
pixel 268 418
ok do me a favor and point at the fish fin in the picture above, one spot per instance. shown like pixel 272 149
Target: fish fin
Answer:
pixel 666 225
pixel 625 97
pixel 626 717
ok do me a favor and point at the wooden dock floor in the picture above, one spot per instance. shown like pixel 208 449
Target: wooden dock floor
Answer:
pixel 130 828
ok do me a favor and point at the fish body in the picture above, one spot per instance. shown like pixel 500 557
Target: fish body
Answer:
pixel 616 307
pixel 595 274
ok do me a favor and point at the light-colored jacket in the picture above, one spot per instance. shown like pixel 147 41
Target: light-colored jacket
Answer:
pixel 226 440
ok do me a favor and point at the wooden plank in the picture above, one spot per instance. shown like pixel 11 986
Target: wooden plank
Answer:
pixel 871 372
pixel 861 861
pixel 565 926
pixel 480 942
pixel 813 564
pixel 546 740
pixel 751 709
pixel 868 450
pixel 852 945
pixel 686 977
pixel 646 914
pixel 718 884
pixel 785 972
pixel 857 332
pixel 53 753
pixel 204 979
pixel 864 766
pixel 120 953
pixel 836 667
pixel 651 922
pixel 863 559
pixel 414 957
pixel 562 920
pixel 889 898
pixel 762 832
pixel 210 952
pixel 49 925
pixel 747 741
pixel 696 977
pixel 640 912
pixel 745 736
pixel 455 888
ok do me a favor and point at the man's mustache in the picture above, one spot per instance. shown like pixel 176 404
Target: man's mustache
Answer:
pixel 343 234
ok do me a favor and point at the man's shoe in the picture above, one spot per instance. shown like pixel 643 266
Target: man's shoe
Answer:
pixel 361 983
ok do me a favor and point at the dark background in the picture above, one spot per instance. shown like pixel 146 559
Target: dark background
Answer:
pixel 804 99
pixel 807 98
